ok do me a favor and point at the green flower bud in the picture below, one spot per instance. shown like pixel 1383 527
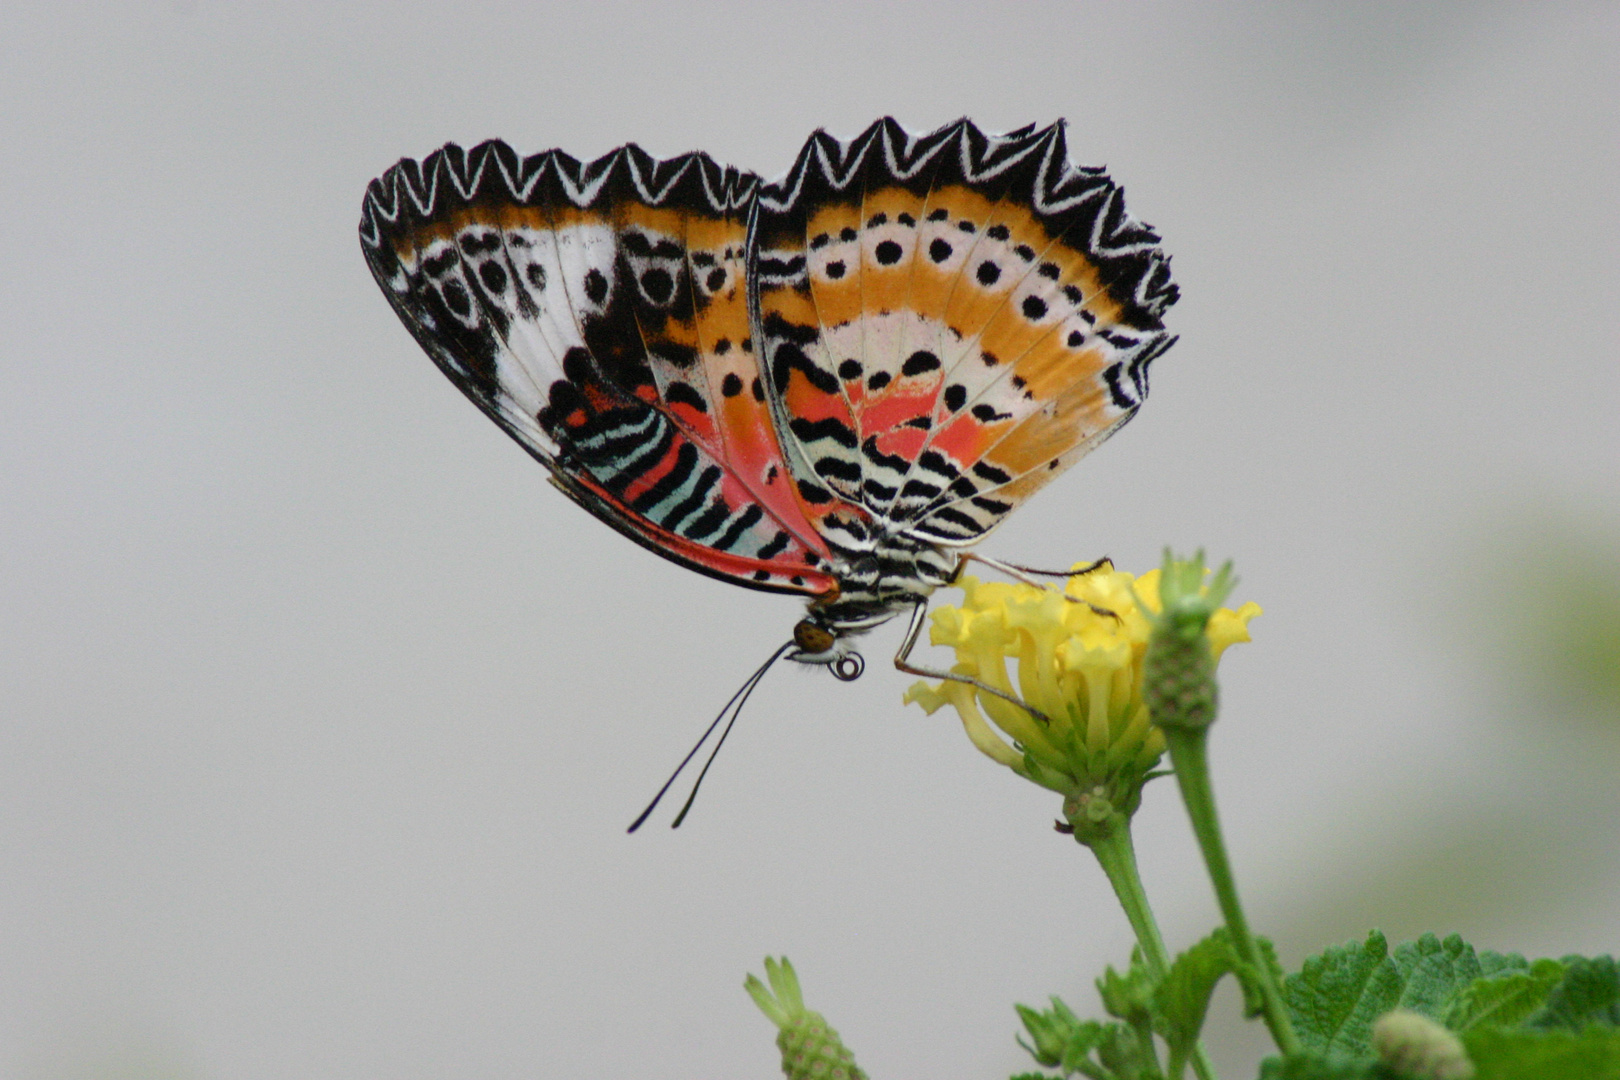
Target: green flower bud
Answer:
pixel 1128 996
pixel 811 1049
pixel 1178 676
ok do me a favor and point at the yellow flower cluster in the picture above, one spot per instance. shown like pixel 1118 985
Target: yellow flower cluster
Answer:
pixel 1078 671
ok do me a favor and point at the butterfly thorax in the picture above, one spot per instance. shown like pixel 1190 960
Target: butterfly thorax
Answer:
pixel 893 575
pixel 874 585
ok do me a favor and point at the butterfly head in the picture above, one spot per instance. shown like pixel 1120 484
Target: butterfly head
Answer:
pixel 817 643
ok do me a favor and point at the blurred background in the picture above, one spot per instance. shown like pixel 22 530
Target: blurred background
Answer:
pixel 322 714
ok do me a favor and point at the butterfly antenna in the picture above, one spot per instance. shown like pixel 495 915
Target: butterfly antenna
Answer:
pixel 734 706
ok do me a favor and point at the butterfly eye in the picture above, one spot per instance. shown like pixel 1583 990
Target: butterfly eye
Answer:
pixel 848 668
pixel 811 638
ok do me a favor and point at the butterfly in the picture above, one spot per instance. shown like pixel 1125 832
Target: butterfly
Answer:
pixel 831 384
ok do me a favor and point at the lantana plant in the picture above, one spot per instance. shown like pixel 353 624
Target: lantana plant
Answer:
pixel 1085 690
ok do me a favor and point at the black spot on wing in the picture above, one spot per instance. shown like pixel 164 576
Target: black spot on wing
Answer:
pixel 658 286
pixel 775 547
pixel 985 471
pixel 493 275
pixel 596 286
pixel 919 362
pixel 809 431
pixel 835 468
pixel 680 393
pixel 707 523
pixel 814 494
pixel 877 457
pixel 790 355
pixel 456 298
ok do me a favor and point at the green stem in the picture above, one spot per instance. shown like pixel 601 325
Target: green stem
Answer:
pixel 1116 852
pixel 1190 758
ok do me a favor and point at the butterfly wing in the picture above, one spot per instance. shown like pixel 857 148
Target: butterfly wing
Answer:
pixel 952 319
pixel 598 313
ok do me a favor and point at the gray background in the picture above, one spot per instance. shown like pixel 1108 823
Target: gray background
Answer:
pixel 323 714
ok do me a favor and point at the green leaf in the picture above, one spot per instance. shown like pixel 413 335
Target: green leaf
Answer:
pixel 1589 993
pixel 1336 996
pixel 1182 1000
pixel 1502 1000
pixel 1313 1066
pixel 1527 1054
pixel 1492 964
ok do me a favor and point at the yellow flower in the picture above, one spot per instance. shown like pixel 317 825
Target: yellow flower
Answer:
pixel 1083 730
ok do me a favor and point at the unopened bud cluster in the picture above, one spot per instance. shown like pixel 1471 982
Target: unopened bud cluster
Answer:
pixel 811 1049
pixel 1178 683
pixel 1178 673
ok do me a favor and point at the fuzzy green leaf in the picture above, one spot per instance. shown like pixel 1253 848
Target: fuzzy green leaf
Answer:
pixel 1589 993
pixel 1527 1054
pixel 1335 997
pixel 1502 1000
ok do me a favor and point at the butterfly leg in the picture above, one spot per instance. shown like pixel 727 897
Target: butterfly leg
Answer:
pixel 902 660
pixel 1022 573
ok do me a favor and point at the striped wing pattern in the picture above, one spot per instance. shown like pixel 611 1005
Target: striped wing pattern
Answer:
pixel 812 385
pixel 598 313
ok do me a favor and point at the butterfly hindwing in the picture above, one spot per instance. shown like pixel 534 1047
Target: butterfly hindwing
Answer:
pixel 560 297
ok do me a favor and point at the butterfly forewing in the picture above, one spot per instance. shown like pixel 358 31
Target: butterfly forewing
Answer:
pixel 951 320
